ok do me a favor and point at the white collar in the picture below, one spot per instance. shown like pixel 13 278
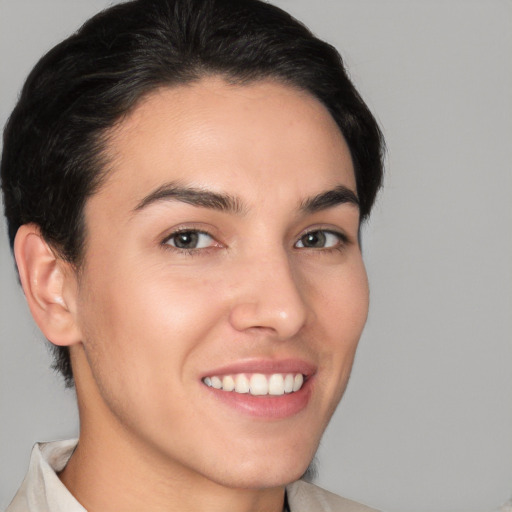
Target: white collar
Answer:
pixel 42 489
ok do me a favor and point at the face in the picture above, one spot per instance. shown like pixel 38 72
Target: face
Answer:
pixel 223 291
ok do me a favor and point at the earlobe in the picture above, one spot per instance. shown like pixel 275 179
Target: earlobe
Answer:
pixel 49 284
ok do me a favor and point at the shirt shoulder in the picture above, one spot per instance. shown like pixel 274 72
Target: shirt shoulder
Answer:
pixel 41 490
pixel 306 497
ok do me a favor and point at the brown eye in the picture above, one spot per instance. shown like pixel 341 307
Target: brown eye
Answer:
pixel 190 240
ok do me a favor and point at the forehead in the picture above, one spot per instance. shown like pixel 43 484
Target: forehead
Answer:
pixel 240 139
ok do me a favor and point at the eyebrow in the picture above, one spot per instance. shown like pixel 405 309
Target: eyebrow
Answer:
pixel 231 204
pixel 193 196
pixel 329 199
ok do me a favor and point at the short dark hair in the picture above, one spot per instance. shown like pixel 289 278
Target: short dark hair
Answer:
pixel 53 152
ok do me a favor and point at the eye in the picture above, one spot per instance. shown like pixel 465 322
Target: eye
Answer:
pixel 320 239
pixel 190 239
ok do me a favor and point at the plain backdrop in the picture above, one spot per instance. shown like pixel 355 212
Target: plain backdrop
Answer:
pixel 426 423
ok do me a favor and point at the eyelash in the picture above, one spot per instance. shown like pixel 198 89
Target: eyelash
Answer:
pixel 343 241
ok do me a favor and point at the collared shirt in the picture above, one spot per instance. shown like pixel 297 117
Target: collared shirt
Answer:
pixel 42 490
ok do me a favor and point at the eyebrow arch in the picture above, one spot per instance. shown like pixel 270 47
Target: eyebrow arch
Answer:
pixel 193 196
pixel 329 199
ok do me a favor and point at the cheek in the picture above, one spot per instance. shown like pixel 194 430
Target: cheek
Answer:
pixel 143 336
pixel 342 298
pixel 341 312
pixel 148 312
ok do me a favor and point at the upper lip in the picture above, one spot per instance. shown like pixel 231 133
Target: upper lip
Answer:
pixel 265 366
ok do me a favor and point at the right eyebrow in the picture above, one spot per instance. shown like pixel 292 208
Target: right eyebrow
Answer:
pixel 194 196
pixel 329 199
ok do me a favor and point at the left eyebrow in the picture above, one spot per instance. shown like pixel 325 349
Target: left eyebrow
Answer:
pixel 329 199
pixel 194 196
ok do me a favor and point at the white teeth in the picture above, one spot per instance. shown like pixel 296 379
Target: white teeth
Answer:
pixel 241 383
pixel 297 382
pixel 258 384
pixel 288 383
pixel 228 383
pixel 216 383
pixel 276 384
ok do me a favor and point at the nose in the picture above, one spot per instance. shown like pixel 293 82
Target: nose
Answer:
pixel 270 297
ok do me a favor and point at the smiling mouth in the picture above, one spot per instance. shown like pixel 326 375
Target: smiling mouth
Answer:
pixel 257 384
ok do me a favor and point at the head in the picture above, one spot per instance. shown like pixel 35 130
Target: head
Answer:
pixel 93 107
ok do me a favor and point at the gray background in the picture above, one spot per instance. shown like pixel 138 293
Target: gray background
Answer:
pixel 426 424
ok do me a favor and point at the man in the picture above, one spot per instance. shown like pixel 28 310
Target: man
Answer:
pixel 184 183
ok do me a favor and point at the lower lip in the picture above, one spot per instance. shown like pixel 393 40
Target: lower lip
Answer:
pixel 266 406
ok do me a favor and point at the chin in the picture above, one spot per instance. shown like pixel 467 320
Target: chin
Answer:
pixel 267 472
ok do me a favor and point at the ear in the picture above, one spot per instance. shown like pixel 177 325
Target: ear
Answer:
pixel 50 286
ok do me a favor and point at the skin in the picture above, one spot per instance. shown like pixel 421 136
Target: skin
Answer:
pixel 146 321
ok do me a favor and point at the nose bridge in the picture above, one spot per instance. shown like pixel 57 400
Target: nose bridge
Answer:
pixel 271 296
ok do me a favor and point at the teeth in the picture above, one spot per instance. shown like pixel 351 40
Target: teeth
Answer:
pixel 288 383
pixel 298 381
pixel 241 384
pixel 228 383
pixel 257 384
pixel 276 384
pixel 216 383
